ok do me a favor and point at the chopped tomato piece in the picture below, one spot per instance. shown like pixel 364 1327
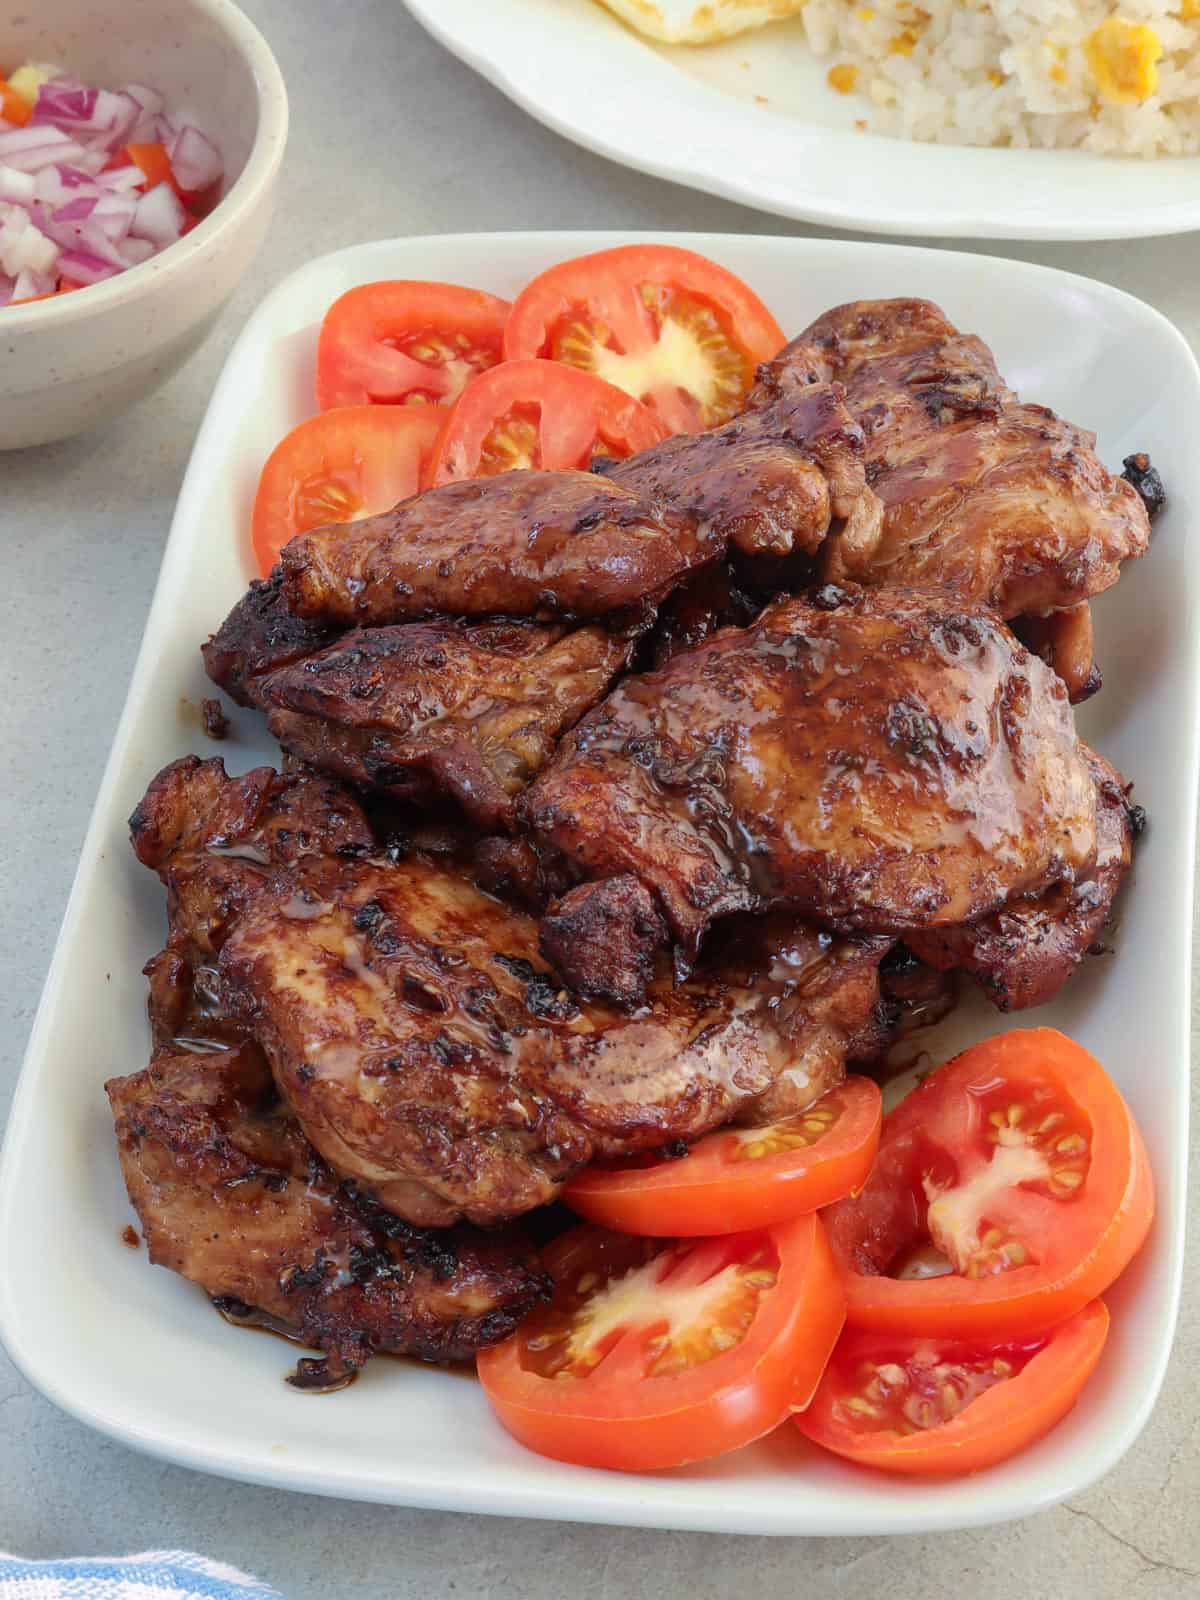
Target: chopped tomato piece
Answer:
pixel 666 325
pixel 922 1405
pixel 153 162
pixel 539 414
pixel 406 342
pixel 14 108
pixel 654 1353
pixel 1021 1165
pixel 338 467
pixel 740 1178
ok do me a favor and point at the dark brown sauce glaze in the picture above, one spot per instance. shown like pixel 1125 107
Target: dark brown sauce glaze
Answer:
pixel 129 1237
pixel 311 1374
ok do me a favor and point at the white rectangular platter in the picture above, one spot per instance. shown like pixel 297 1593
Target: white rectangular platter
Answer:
pixel 138 1353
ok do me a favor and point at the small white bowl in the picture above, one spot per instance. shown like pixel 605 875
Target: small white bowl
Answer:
pixel 75 362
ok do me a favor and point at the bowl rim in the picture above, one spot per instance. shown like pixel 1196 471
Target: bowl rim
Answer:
pixel 266 153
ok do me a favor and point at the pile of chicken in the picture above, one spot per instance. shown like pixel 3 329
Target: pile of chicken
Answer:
pixel 618 805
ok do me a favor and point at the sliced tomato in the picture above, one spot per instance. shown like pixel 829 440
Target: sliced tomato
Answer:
pixel 1021 1166
pixel 406 342
pixel 338 467
pixel 539 414
pixel 666 325
pixel 14 108
pixel 654 1353
pixel 739 1178
pixel 922 1405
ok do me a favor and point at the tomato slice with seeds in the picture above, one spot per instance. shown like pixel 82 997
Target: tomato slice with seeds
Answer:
pixel 406 342
pixel 539 414
pixel 665 325
pixel 653 1353
pixel 1020 1163
pixel 340 466
pixel 921 1405
pixel 739 1178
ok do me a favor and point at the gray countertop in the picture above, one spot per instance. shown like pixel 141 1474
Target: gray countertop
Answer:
pixel 392 136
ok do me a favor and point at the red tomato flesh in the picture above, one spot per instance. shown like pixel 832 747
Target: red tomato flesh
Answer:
pixel 338 467
pixel 665 325
pixel 922 1405
pixel 1020 1163
pixel 739 1178
pixel 539 414
pixel 654 1353
pixel 406 342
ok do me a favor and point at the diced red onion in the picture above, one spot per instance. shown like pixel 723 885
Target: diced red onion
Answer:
pixel 82 267
pixel 30 285
pixel 30 149
pixel 150 100
pixel 60 102
pixel 195 160
pixel 159 216
pixel 16 186
pixel 119 180
pixel 136 251
pixel 7 285
pixel 95 240
pixel 77 210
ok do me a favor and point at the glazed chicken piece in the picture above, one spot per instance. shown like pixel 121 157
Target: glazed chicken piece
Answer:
pixel 530 544
pixel 878 761
pixel 1023 954
pixel 769 482
pixel 473 710
pixel 258 637
pixel 231 1195
pixel 710 599
pixel 213 841
pixel 429 1053
pixel 1064 640
pixel 985 499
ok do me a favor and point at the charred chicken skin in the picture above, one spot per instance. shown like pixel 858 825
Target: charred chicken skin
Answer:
pixel 769 482
pixel 231 1195
pixel 473 710
pixel 878 761
pixel 430 1052
pixel 1022 954
pixel 528 544
pixel 984 499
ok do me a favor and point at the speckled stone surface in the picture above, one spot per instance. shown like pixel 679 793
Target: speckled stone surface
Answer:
pixel 391 136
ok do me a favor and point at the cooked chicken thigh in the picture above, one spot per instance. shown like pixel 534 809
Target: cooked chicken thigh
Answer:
pixel 530 544
pixel 769 482
pixel 473 710
pixel 985 499
pixel 230 1194
pixel 258 637
pixel 429 1052
pixel 1024 953
pixel 879 761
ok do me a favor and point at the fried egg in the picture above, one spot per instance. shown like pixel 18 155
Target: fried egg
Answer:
pixel 699 21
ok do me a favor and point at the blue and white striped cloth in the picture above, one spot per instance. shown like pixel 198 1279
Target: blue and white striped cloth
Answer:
pixel 154 1575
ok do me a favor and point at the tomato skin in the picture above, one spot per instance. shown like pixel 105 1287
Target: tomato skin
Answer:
pixel 631 1423
pixel 579 417
pixel 999 1423
pixel 357 359
pixel 375 455
pixel 705 1194
pixel 1090 1242
pixel 607 285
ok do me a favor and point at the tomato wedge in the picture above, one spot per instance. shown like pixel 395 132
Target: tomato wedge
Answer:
pixel 340 466
pixel 654 1353
pixel 539 414
pixel 406 341
pixel 666 325
pixel 739 1178
pixel 1020 1163
pixel 922 1405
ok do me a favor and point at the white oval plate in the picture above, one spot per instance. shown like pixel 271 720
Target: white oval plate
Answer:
pixel 690 114
pixel 140 1354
